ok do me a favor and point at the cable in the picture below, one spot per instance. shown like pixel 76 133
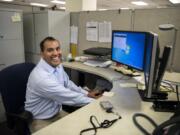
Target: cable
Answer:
pixel 169 84
pixel 104 124
pixel 164 128
pixel 172 121
pixel 139 126
pixel 166 89
pixel 177 93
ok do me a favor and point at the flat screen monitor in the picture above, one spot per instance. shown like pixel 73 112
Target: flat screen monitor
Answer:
pixel 151 63
pixel 128 48
pixel 154 68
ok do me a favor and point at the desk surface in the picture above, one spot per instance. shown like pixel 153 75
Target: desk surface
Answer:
pixel 108 74
pixel 126 102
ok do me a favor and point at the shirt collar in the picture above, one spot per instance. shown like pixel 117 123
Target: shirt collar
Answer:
pixel 43 64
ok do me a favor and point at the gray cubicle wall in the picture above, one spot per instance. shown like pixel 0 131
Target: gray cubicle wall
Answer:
pixel 120 20
pixel 150 19
pixel 24 8
pixel 138 19
pixel 74 18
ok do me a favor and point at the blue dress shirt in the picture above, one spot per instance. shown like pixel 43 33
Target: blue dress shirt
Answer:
pixel 48 88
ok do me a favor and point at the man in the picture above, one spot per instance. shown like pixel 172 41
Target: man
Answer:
pixel 49 87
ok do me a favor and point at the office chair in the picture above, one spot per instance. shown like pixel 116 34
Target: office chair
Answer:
pixel 13 80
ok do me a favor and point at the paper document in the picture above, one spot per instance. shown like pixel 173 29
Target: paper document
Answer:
pixel 16 17
pixel 140 79
pixel 105 32
pixel 74 34
pixel 92 31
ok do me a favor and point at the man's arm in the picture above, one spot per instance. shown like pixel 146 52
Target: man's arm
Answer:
pixel 57 92
pixel 71 85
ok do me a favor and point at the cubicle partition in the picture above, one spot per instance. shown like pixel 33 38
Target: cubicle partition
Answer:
pixel 137 19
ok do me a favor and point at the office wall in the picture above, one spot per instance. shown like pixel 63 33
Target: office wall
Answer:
pixel 150 19
pixel 120 20
pixel 23 8
pixel 139 20
pixel 74 18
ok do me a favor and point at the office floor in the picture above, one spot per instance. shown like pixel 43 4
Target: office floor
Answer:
pixel 4 130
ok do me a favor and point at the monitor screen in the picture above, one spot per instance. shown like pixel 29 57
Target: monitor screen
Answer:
pixel 128 48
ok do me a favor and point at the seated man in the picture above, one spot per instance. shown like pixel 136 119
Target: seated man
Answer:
pixel 49 88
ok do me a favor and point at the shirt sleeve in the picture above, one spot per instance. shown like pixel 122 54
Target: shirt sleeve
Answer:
pixel 69 84
pixel 57 92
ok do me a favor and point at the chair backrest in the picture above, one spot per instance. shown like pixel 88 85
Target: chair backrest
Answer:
pixel 13 80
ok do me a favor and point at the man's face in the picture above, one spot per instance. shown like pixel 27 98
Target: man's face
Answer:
pixel 52 53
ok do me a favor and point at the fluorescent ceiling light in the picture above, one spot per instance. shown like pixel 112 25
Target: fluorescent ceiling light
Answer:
pixel 38 4
pixel 58 2
pixel 7 0
pixel 139 3
pixel 175 1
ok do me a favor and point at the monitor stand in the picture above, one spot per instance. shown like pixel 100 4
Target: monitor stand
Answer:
pixel 155 96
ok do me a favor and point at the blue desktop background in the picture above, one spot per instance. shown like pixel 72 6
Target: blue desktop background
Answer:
pixel 131 54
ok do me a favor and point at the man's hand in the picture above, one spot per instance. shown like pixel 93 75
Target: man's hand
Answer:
pixel 94 94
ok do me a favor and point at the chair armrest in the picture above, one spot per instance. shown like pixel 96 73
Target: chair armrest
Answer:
pixel 25 116
pixel 20 122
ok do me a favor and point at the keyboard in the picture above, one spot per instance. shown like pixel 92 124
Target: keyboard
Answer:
pixel 94 63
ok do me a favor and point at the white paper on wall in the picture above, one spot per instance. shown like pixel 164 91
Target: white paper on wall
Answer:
pixel 92 31
pixel 74 35
pixel 105 32
pixel 16 17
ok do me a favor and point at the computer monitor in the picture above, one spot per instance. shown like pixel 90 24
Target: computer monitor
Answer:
pixel 141 50
pixel 163 64
pixel 154 68
pixel 151 61
pixel 128 48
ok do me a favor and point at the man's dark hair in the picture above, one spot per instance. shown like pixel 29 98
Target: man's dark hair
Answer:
pixel 44 40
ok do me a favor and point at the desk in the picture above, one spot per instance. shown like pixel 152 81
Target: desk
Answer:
pixel 174 77
pixel 126 102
